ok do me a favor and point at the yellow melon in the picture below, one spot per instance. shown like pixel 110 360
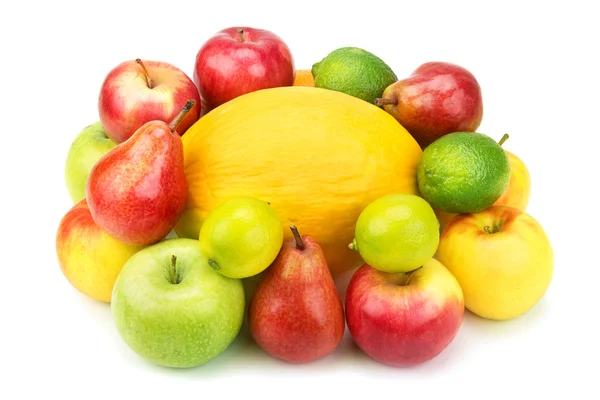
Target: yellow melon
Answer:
pixel 317 156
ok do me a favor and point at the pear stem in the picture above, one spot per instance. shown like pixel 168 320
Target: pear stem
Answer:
pixel 241 35
pixel 179 117
pixel 503 139
pixel 383 101
pixel 174 269
pixel 297 238
pixel 148 79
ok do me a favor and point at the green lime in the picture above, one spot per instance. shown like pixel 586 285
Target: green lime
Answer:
pixel 241 237
pixel 397 233
pixel 355 72
pixel 463 172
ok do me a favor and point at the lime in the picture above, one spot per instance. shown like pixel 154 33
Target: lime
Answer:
pixel 463 172
pixel 397 233
pixel 241 237
pixel 354 71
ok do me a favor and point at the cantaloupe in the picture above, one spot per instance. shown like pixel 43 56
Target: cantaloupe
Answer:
pixel 317 156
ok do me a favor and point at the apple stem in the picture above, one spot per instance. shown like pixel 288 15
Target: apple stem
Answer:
pixel 503 139
pixel 298 238
pixel 179 117
pixel 353 245
pixel 383 102
pixel 241 34
pixel 412 273
pixel 495 228
pixel 148 80
pixel 174 269
pixel 213 264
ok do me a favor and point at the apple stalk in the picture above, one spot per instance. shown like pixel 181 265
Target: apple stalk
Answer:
pixel 241 35
pixel 148 79
pixel 174 269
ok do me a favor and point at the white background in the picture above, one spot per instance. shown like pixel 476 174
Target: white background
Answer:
pixel 538 68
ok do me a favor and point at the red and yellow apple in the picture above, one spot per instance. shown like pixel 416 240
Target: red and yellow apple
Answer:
pixel 89 257
pixel 135 92
pixel 404 319
pixel 240 60
pixel 516 194
pixel 502 259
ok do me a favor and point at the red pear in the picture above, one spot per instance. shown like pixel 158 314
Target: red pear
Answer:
pixel 436 99
pixel 137 191
pixel 296 313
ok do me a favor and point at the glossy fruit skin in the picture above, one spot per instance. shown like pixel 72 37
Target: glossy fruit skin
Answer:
pixel 227 66
pixel 178 325
pixel 402 324
pixel 518 191
pixel 138 190
pixel 248 225
pixel 126 102
pixel 85 151
pixel 502 274
pixel 516 194
pixel 436 99
pixel 463 172
pixel 397 233
pixel 89 257
pixel 318 179
pixel 296 313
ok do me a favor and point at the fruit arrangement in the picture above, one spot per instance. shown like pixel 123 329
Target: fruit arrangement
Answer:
pixel 239 195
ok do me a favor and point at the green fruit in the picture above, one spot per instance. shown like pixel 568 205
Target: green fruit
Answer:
pixel 241 237
pixel 463 172
pixel 355 72
pixel 86 149
pixel 397 233
pixel 179 315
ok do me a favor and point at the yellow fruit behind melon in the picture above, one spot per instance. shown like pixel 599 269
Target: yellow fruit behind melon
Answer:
pixel 319 157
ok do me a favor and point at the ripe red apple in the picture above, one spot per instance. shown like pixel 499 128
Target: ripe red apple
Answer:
pixel 404 319
pixel 436 99
pixel 136 92
pixel 240 60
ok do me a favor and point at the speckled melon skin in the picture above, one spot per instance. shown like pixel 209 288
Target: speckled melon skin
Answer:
pixel 317 156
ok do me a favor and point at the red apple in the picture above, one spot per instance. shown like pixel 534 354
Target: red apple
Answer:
pixel 240 60
pixel 436 99
pixel 136 92
pixel 404 319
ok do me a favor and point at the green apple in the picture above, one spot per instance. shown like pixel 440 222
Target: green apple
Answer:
pixel 172 308
pixel 87 148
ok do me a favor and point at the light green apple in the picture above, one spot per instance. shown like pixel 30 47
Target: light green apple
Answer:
pixel 86 149
pixel 172 308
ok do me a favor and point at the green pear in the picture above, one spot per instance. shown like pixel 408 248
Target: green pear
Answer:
pixel 85 151
pixel 172 308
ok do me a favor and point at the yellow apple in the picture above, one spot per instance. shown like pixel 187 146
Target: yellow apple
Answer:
pixel 516 194
pixel 89 257
pixel 502 259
